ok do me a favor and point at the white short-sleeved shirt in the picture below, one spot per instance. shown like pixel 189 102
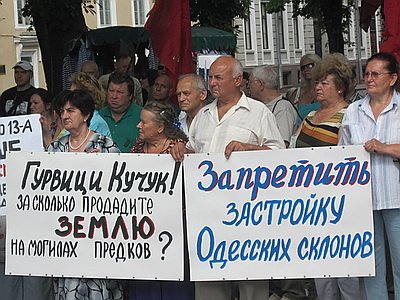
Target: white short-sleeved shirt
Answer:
pixel 360 126
pixel 249 121
pixel 183 120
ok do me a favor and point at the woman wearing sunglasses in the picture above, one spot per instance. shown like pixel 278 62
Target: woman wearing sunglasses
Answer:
pixel 304 96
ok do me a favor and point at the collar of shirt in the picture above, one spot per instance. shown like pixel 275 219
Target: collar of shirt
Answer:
pixel 243 102
pixel 365 106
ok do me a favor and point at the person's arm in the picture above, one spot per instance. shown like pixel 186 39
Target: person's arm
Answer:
pixel 239 146
pixel 179 150
pixel 376 146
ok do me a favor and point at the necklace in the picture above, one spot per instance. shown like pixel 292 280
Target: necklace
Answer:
pixel 162 148
pixel 80 145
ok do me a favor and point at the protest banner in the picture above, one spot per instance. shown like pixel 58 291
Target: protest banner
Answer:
pixel 95 216
pixel 291 213
pixel 19 133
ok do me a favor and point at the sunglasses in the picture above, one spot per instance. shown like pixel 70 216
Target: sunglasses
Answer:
pixel 307 66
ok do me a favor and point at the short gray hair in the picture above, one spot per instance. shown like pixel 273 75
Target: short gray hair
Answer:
pixel 199 81
pixel 268 76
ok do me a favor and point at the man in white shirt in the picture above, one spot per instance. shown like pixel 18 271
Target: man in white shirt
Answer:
pixel 232 122
pixel 264 87
pixel 192 93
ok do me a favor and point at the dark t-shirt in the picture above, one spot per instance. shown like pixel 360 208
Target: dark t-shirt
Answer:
pixel 14 103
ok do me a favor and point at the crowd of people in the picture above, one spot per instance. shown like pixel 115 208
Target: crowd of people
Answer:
pixel 247 111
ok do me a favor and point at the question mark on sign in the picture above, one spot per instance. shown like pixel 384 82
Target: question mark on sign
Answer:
pixel 161 238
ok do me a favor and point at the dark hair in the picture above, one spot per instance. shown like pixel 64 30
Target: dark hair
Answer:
pixel 392 64
pixel 164 114
pixel 246 75
pixel 81 100
pixel 121 55
pixel 151 76
pixel 44 95
pixel 120 79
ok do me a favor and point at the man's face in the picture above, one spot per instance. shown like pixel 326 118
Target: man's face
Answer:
pixel 190 98
pixel 122 65
pixel 162 88
pixel 22 77
pixel 221 81
pixel 118 97
pixel 90 69
pixel 255 87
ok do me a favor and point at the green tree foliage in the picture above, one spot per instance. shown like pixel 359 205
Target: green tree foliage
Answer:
pixel 219 13
pixel 331 15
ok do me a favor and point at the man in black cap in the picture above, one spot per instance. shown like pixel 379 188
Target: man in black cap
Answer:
pixel 15 100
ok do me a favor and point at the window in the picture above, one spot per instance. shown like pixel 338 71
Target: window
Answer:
pixel 264 25
pixel 139 12
pixel 20 20
pixel 296 33
pixel 281 30
pixel 31 56
pixel 105 15
pixel 247 32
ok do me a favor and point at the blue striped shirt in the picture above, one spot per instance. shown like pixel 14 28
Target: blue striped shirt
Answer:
pixel 358 127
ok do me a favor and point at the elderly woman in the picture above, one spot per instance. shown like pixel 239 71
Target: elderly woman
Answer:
pixel 374 121
pixel 76 113
pixel 304 96
pixel 321 128
pixel 158 129
pixel 89 84
pixel 77 109
pixel 158 133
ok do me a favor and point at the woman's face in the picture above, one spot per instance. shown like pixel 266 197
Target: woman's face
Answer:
pixel 148 129
pixel 72 118
pixel 377 78
pixel 326 90
pixel 37 104
pixel 306 67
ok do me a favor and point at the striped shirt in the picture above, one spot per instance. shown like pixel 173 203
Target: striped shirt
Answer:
pixel 358 127
pixel 322 134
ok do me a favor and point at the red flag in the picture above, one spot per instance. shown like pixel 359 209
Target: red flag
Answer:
pixel 170 35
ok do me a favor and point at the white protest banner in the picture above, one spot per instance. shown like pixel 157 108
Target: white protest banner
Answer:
pixel 291 213
pixel 95 215
pixel 20 133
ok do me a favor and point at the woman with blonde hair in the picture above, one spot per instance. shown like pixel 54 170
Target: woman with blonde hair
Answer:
pixel 89 84
pixel 304 96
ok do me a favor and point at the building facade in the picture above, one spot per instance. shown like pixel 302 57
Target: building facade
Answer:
pixel 281 40
pixel 265 39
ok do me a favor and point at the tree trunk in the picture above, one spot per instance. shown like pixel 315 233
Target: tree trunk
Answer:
pixel 332 14
pixel 63 22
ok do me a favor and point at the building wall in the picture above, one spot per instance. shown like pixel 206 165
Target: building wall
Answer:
pixel 251 50
pixel 16 44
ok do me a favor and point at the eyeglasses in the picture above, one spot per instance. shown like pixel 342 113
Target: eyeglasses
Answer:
pixel 307 66
pixel 250 82
pixel 374 75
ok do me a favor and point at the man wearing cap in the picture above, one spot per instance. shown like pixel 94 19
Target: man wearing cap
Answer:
pixel 15 100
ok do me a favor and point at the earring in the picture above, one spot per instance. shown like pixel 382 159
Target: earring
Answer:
pixel 84 120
